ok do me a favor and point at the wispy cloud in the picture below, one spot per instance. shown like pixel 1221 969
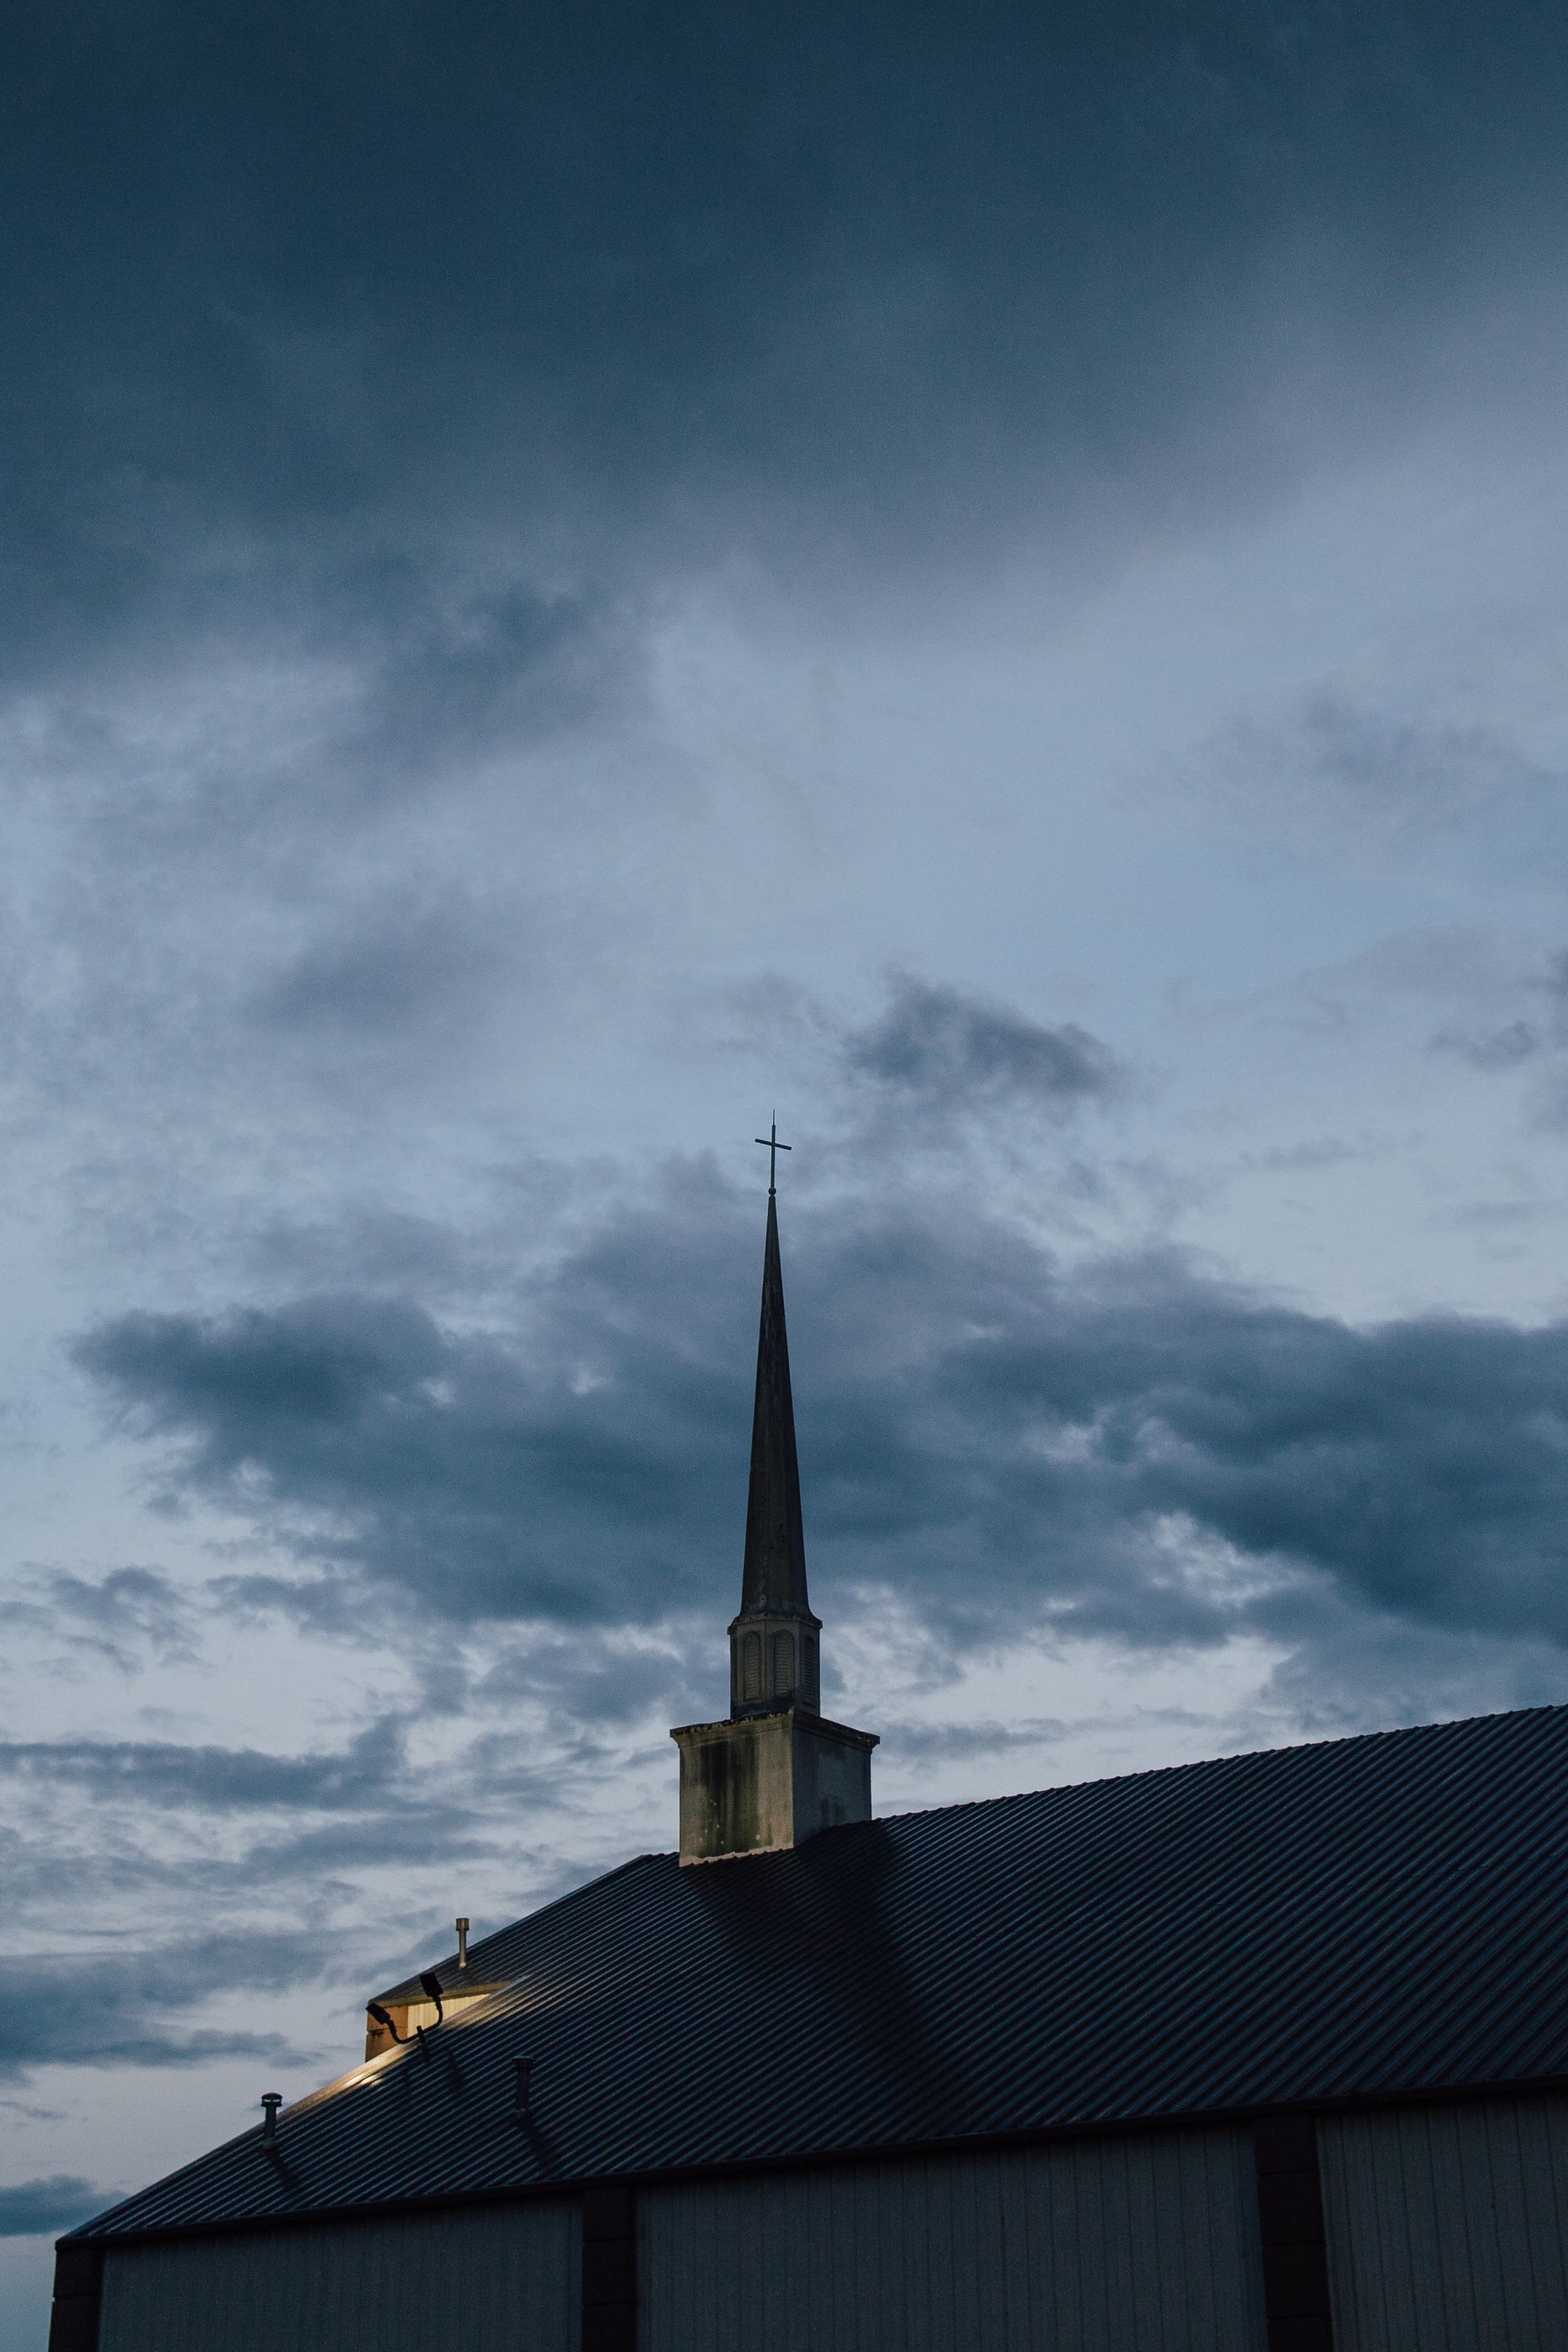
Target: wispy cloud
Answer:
pixel 122 1618
pixel 162 1772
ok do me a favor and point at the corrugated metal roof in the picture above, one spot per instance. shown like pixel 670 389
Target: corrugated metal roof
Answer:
pixel 1326 1922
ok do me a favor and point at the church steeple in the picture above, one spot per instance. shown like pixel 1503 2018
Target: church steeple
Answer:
pixel 773 1642
pixel 773 1773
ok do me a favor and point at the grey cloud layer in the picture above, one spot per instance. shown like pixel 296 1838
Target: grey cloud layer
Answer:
pixel 291 280
pixel 1134 1450
pixel 375 383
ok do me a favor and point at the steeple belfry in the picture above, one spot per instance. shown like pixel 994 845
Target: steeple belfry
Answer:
pixel 773 1773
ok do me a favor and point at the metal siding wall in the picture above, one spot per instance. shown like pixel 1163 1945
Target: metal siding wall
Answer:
pixel 496 2278
pixel 1142 2244
pixel 1446 2226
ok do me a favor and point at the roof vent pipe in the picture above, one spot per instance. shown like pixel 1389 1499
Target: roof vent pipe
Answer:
pixel 270 2101
pixel 462 1943
pixel 524 2070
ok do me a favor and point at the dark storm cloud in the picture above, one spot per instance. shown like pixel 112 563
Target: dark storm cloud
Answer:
pixel 1134 1451
pixel 309 312
pixel 325 1399
pixel 40 2209
pixel 70 2009
pixel 949 1052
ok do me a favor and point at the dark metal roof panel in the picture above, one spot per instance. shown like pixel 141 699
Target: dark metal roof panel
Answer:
pixel 1351 1919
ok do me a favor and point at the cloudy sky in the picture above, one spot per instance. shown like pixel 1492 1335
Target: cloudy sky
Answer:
pixel 992 578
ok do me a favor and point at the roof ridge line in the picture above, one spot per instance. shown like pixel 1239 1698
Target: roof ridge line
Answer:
pixel 572 1893
pixel 1199 1763
pixel 1063 1787
pixel 523 1919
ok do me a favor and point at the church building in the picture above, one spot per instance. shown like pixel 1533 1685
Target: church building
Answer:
pixel 1266 2055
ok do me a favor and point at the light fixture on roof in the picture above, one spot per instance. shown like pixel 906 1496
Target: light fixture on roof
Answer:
pixel 379 2014
pixel 404 2010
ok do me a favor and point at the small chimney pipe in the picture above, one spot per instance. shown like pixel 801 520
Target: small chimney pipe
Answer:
pixel 462 1943
pixel 270 2102
pixel 524 2069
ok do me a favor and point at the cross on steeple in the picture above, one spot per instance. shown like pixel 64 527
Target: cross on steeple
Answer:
pixel 773 1147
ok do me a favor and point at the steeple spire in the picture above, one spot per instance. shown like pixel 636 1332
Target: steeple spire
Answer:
pixel 773 1642
pixel 774 1575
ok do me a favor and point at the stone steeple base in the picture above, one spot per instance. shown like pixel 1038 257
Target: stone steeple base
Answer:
pixel 766 1781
